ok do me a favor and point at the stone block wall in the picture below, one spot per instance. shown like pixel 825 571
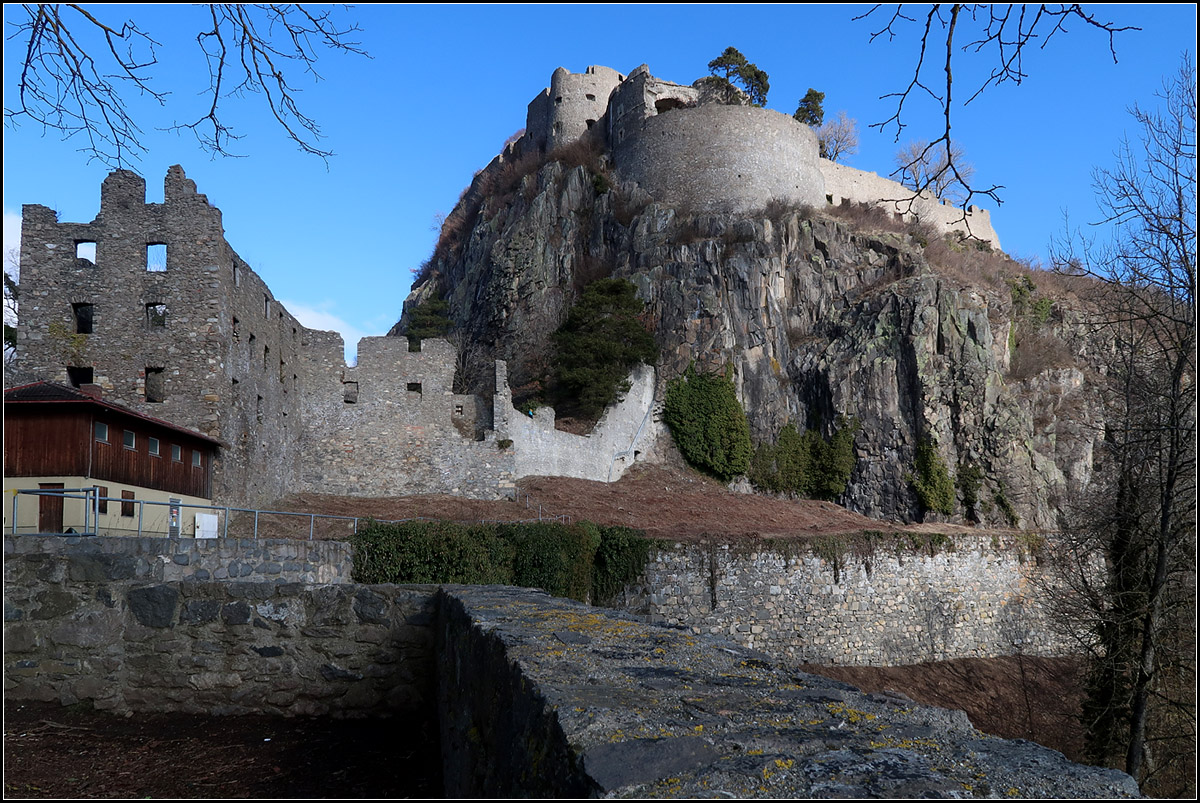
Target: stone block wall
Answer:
pixel 722 158
pixel 625 434
pixel 96 627
pixel 978 597
pixel 847 184
pixel 162 560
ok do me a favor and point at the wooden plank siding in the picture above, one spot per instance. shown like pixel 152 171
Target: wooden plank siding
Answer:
pixel 59 440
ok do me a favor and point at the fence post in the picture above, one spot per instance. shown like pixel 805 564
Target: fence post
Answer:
pixel 312 520
pixel 255 525
pixel 16 495
pixel 141 509
pixel 225 531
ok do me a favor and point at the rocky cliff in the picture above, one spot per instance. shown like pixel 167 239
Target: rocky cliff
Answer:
pixel 821 313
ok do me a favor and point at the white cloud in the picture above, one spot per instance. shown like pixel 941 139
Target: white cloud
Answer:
pixel 321 318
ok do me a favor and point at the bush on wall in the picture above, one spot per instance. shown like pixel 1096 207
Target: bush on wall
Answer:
pixel 708 423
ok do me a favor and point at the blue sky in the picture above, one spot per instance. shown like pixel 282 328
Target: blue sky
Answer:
pixel 447 85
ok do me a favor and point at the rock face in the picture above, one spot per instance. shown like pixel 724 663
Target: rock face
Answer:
pixel 818 316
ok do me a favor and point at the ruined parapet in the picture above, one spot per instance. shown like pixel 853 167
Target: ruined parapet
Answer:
pixel 570 106
pixel 844 184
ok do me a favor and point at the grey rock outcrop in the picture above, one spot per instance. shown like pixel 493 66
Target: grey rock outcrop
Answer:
pixel 819 318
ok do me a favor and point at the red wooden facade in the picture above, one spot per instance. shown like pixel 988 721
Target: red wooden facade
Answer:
pixel 52 430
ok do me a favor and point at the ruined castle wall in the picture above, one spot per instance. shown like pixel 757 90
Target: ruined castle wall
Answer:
pixel 844 183
pixel 570 106
pixel 974 598
pixel 394 426
pixel 721 158
pixel 624 434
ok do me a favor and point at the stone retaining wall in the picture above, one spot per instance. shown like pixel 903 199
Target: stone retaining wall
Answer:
pixel 159 560
pixel 975 597
pixel 84 629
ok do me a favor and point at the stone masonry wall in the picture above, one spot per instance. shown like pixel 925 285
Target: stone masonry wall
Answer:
pixel 625 434
pixel 844 183
pixel 978 598
pixel 162 560
pixel 94 627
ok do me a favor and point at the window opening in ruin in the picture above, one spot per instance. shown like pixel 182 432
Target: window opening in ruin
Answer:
pixel 458 409
pixel 153 447
pixel 197 460
pixel 236 335
pixel 84 315
pixel 266 306
pixel 590 123
pixel 237 276
pixel 85 250
pixel 266 357
pixel 79 375
pixel 127 504
pixel 829 200
pixel 156 385
pixel 414 387
pixel 558 128
pixel 102 432
pixel 295 382
pixel 156 315
pixel 258 409
pixel 666 104
pixel 102 499
pixel 176 454
pixel 590 96
pixel 130 440
pixel 558 99
pixel 350 392
pixel 252 341
pixel 293 333
pixel 156 257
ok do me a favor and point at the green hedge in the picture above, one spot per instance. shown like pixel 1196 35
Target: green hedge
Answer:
pixel 582 561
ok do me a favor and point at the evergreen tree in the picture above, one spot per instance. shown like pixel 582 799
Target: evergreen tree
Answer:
pixel 810 110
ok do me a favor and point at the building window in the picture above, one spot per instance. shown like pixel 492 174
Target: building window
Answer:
pixel 176 453
pixel 236 335
pixel 79 375
pixel 350 392
pixel 156 385
pixel 153 446
pixel 197 461
pixel 266 306
pixel 102 432
pixel 414 387
pixel 156 315
pixel 156 257
pixel 85 251
pixel 127 504
pixel 83 314
pixel 130 440
pixel 102 499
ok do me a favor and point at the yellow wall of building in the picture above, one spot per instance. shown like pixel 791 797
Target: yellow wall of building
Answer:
pixel 154 518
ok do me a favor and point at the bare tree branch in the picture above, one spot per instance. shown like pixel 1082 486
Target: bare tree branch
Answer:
pixel 78 71
pixel 1002 32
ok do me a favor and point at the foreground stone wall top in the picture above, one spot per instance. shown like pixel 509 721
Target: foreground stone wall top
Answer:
pixel 599 704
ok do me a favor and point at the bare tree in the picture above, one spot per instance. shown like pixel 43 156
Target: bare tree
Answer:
pixel 77 69
pixel 931 166
pixel 1001 32
pixel 838 137
pixel 1139 521
pixel 11 290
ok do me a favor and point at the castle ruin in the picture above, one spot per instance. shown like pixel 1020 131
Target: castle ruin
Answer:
pixel 151 304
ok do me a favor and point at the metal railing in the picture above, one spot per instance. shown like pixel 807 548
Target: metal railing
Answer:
pixel 91 515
